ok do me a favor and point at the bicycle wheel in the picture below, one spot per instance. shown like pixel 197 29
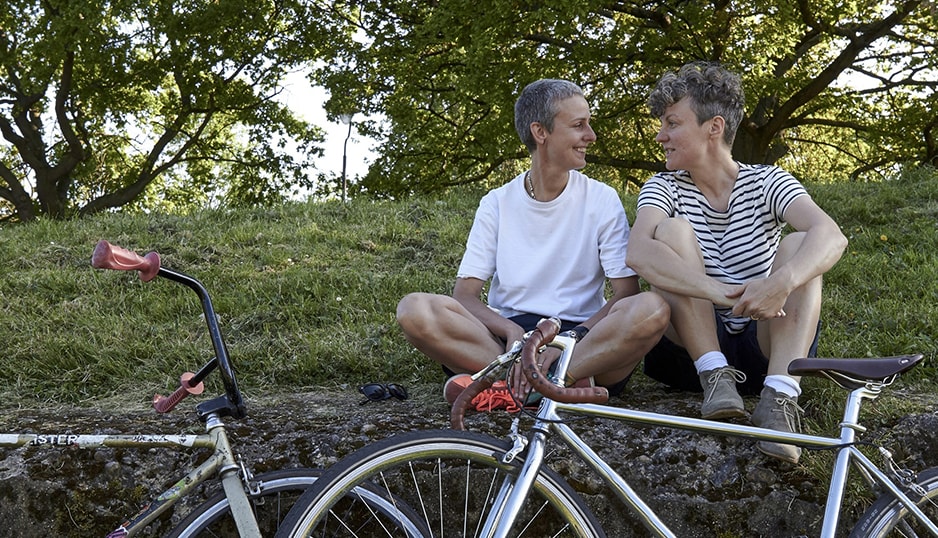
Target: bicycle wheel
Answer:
pixel 887 517
pixel 449 477
pixel 278 491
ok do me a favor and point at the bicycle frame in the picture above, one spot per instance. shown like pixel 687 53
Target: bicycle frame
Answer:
pixel 549 420
pixel 242 491
pixel 221 461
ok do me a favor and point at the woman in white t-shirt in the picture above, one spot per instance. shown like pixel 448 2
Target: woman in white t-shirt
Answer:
pixel 547 242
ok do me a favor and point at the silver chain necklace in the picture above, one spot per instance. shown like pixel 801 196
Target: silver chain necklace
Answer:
pixel 529 184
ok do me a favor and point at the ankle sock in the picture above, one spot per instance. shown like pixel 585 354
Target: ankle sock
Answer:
pixel 784 384
pixel 710 360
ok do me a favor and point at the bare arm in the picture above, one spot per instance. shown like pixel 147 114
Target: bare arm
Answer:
pixel 621 288
pixel 468 292
pixel 822 246
pixel 671 267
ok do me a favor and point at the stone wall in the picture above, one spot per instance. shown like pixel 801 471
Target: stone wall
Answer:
pixel 701 486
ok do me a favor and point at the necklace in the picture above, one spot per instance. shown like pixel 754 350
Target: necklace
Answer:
pixel 529 184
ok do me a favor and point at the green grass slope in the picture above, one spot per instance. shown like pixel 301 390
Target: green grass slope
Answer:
pixel 306 292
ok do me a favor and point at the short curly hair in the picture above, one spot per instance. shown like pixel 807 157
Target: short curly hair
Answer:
pixel 713 91
pixel 539 102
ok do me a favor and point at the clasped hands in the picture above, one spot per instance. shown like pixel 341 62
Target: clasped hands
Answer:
pixel 758 299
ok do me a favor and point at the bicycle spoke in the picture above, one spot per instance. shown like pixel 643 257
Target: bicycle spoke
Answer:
pixel 443 477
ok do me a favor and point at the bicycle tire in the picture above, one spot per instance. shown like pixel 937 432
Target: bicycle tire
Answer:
pixel 448 477
pixel 278 491
pixel 886 517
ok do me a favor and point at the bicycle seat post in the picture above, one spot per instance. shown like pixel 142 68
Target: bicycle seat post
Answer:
pixel 849 426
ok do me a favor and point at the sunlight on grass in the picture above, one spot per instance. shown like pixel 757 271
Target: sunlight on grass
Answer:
pixel 307 292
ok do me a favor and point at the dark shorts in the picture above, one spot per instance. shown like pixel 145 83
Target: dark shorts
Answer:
pixel 529 321
pixel 670 363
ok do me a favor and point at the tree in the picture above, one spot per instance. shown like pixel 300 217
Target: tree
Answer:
pixel 149 103
pixel 834 89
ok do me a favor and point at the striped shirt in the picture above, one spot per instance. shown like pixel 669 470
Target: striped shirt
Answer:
pixel 738 244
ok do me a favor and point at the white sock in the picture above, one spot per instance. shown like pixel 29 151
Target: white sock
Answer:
pixel 784 384
pixel 710 360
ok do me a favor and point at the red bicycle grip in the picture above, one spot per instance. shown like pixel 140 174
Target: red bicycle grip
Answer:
pixel 108 256
pixel 165 404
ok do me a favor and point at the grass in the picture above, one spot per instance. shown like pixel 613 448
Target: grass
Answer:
pixel 307 291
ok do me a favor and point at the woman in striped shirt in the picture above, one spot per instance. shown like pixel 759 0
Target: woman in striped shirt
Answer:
pixel 745 301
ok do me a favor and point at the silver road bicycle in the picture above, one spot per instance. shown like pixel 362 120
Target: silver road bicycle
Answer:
pixel 469 484
pixel 248 505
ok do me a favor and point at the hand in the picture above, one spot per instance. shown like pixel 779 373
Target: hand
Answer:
pixel 516 334
pixel 520 384
pixel 759 299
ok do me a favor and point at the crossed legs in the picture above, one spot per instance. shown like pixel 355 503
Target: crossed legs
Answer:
pixel 780 339
pixel 446 332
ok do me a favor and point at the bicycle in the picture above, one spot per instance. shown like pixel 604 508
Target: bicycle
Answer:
pixel 468 484
pixel 248 505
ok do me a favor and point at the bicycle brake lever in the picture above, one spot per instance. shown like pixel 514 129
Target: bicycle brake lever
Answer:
pixel 519 443
pixel 505 358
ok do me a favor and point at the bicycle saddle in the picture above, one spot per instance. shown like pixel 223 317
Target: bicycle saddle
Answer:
pixel 855 373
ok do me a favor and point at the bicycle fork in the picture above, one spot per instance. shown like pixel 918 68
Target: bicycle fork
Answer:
pixel 514 489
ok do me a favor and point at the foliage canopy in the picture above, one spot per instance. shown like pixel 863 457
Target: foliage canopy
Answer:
pixel 836 89
pixel 145 103
pixel 172 104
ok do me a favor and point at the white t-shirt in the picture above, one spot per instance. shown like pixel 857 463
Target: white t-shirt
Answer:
pixel 548 258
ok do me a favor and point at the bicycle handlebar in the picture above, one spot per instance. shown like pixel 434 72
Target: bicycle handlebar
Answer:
pixel 108 256
pixel 545 332
pixel 165 404
pixel 542 335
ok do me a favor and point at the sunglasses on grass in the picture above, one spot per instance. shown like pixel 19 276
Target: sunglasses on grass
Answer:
pixel 376 392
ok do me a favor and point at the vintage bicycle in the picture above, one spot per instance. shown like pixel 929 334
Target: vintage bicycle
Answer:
pixel 468 484
pixel 248 505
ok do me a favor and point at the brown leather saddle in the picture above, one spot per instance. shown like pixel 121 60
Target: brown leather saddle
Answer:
pixel 856 373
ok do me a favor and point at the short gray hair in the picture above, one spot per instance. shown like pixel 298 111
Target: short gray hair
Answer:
pixel 713 91
pixel 538 103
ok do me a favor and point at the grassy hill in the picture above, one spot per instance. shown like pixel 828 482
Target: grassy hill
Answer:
pixel 306 292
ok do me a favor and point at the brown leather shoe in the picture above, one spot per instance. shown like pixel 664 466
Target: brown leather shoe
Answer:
pixel 721 399
pixel 780 412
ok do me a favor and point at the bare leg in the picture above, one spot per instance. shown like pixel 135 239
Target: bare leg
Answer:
pixel 693 326
pixel 445 331
pixel 787 338
pixel 783 340
pixel 618 342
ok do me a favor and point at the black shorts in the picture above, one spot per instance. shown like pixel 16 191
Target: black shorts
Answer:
pixel 670 363
pixel 529 322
